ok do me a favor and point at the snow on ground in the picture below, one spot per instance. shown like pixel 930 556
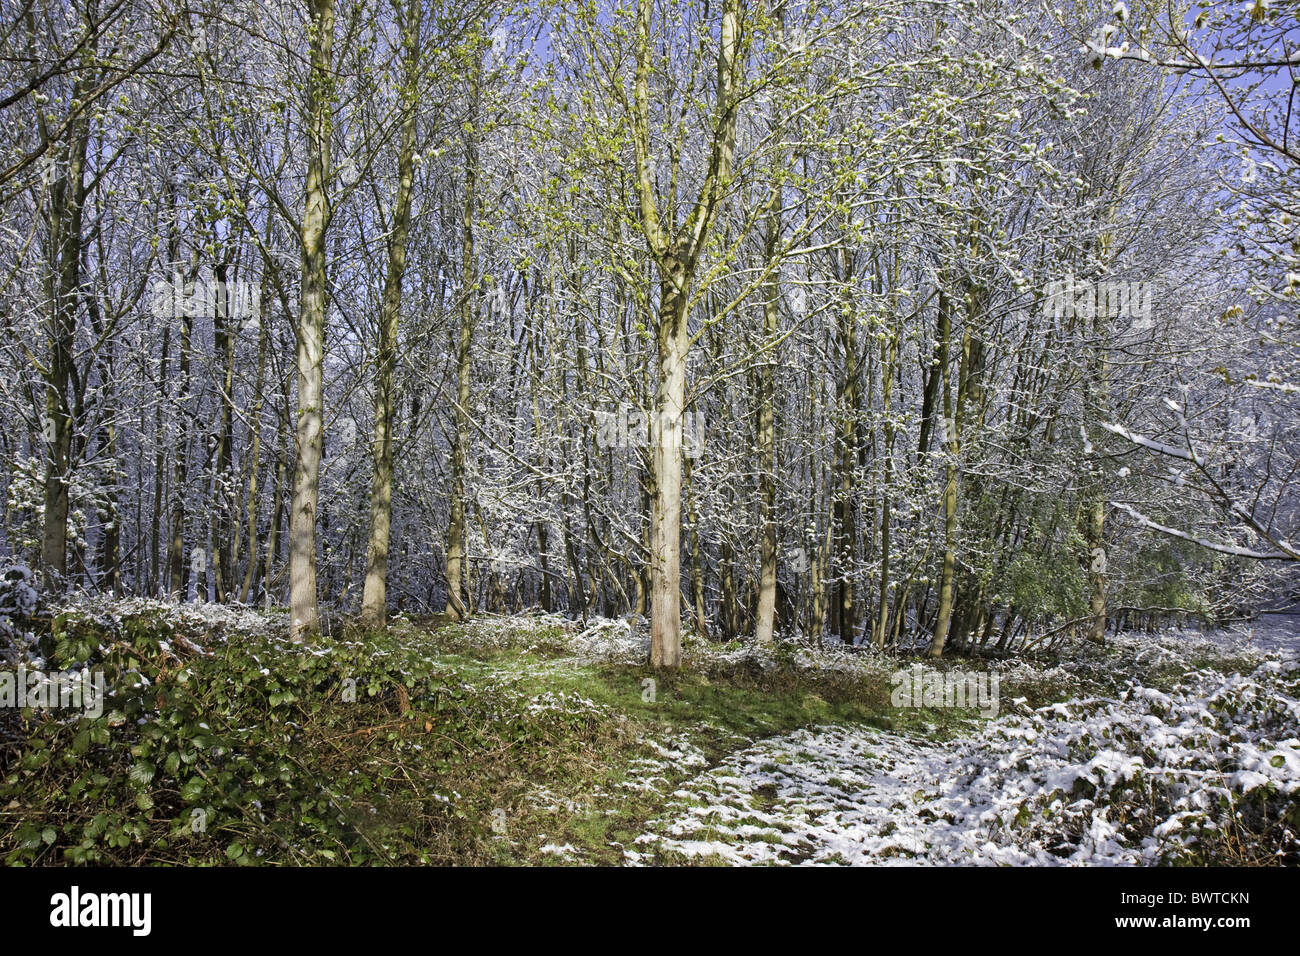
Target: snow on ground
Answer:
pixel 563 851
pixel 1123 773
pixel 189 616
pixel 1135 778
pixel 1278 632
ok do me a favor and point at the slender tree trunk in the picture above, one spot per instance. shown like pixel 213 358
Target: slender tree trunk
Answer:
pixel 155 556
pixel 456 539
pixel 157 584
pixel 178 579
pixel 374 600
pixel 698 601
pixel 766 617
pixel 304 616
pixel 274 540
pixel 886 512
pixel 949 433
pixel 108 567
pixel 843 608
pixel 223 555
pixel 255 453
pixel 63 290
pixel 1095 533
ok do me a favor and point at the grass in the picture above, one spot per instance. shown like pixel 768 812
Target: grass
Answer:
pixel 468 744
pixel 601 805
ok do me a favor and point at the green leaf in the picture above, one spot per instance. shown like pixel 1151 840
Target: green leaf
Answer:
pixel 192 789
pixel 142 772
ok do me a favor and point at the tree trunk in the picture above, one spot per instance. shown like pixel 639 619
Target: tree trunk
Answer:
pixel 303 613
pixel 765 622
pixel 224 335
pixel 456 541
pixel 63 290
pixel 843 608
pixel 666 510
pixel 949 500
pixel 675 254
pixel 178 578
pixel 155 555
pixel 374 599
pixel 698 601
pixel 255 453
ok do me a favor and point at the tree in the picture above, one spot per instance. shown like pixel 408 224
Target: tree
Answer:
pixel 311 324
pixel 374 601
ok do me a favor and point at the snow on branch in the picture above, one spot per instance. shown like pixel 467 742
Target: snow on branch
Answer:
pixel 1154 445
pixel 1279 386
pixel 1231 549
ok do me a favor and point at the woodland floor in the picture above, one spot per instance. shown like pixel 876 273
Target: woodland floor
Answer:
pixel 535 740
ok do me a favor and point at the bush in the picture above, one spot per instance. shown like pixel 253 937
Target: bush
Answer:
pixel 254 748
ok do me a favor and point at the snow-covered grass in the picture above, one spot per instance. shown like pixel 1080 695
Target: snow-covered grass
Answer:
pixel 1206 771
pixel 202 618
pixel 1156 748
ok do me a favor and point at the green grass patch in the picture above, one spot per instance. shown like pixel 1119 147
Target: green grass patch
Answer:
pixel 431 743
